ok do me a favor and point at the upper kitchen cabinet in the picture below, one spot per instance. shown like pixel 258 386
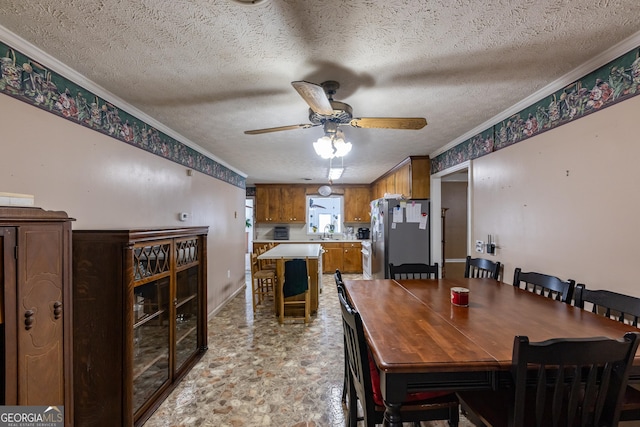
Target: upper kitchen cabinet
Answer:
pixel 411 178
pixel 293 208
pixel 280 203
pixel 356 204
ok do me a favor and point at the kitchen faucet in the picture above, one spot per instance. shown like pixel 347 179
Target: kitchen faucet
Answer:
pixel 327 234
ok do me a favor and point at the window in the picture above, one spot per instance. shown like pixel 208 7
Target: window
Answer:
pixel 324 215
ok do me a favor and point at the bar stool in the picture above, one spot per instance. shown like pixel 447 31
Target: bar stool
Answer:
pixel 266 264
pixel 262 282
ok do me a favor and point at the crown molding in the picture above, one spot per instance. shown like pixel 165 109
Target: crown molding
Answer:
pixel 593 64
pixel 65 71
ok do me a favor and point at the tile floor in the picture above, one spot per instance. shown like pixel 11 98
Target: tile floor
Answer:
pixel 258 373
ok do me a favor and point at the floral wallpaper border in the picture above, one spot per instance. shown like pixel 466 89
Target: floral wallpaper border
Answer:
pixel 614 82
pixel 23 78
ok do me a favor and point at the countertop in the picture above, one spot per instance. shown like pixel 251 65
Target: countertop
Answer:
pixel 303 250
pixel 305 241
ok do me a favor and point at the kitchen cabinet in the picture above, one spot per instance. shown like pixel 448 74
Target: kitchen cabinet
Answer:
pixel 402 178
pixel 280 203
pixel 139 320
pixel 267 204
pixel 411 178
pixel 332 257
pixel 356 204
pixel 293 204
pixel 345 256
pixel 352 261
pixel 36 311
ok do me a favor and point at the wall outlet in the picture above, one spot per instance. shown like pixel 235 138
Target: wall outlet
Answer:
pixel 228 274
pixel 183 216
pixel 479 246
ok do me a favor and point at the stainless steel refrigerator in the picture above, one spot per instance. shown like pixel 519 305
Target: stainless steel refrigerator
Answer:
pixel 400 233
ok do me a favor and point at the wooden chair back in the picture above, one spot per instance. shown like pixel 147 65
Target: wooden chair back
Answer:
pixel 338 277
pixel 482 268
pixel 340 288
pixel 625 309
pixel 543 284
pixel 620 307
pixel 413 271
pixel 265 264
pixel 262 282
pixel 559 382
pixel 578 381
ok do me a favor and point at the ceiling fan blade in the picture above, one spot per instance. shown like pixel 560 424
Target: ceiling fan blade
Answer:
pixel 315 96
pixel 278 129
pixel 414 123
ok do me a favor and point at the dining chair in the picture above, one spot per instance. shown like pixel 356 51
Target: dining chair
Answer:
pixel 338 277
pixel 543 284
pixel 340 288
pixel 625 309
pixel 262 282
pixel 478 268
pixel 364 382
pixel 294 283
pixel 413 271
pixel 559 382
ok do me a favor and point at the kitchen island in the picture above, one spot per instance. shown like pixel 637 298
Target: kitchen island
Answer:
pixel 311 251
pixel 342 254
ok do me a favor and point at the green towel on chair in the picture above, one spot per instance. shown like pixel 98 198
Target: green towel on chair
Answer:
pixel 295 277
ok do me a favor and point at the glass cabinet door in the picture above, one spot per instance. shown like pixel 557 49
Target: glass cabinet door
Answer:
pixel 151 322
pixel 186 315
pixel 186 302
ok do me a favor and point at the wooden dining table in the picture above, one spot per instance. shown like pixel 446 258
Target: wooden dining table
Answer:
pixel 420 341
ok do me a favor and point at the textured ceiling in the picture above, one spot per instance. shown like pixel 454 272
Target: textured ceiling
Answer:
pixel 211 69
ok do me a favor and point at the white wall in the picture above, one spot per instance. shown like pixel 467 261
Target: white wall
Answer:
pixel 566 202
pixel 105 183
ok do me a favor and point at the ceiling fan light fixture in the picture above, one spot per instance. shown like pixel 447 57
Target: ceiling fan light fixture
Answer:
pixel 323 147
pixel 329 147
pixel 342 148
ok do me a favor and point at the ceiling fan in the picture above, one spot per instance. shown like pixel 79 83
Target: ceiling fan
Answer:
pixel 330 114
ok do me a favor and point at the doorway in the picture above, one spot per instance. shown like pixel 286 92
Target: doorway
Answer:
pixel 249 231
pixel 451 205
pixel 454 215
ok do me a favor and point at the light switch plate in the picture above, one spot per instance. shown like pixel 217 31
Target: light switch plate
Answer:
pixel 479 246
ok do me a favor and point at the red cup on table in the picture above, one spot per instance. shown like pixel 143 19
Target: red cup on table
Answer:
pixel 460 296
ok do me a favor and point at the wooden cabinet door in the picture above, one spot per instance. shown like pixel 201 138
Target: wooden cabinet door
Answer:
pixel 352 262
pixel 8 280
pixel 274 204
pixel 356 201
pixel 403 181
pixel 293 204
pixel 420 178
pixel 268 203
pixel 332 257
pixel 39 298
pixel 262 204
pixel 390 184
